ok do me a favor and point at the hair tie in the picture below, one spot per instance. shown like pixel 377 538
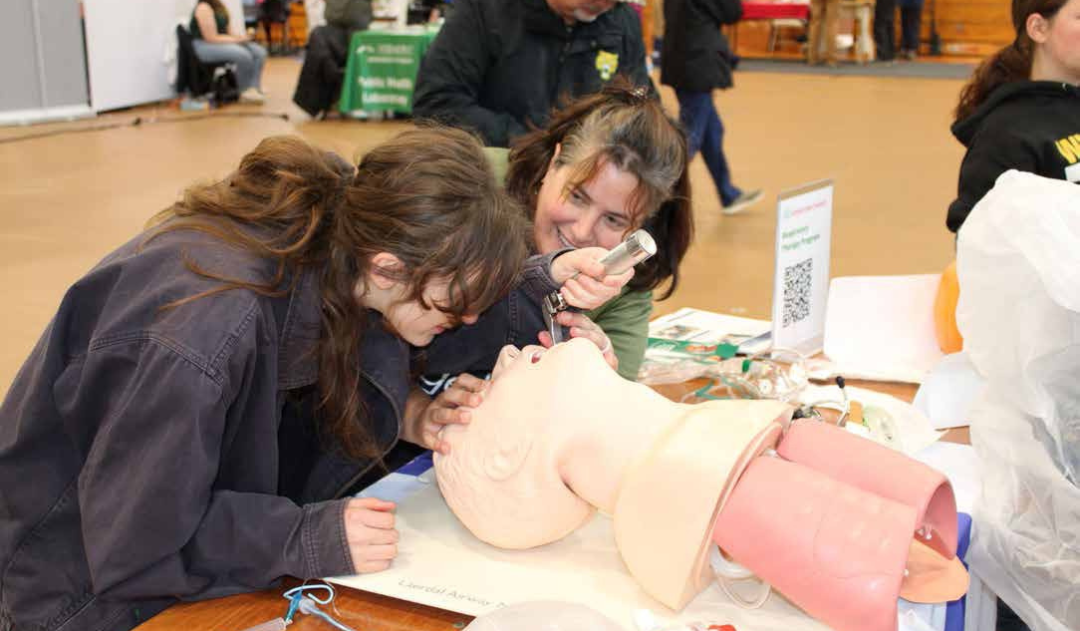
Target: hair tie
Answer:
pixel 338 189
pixel 345 173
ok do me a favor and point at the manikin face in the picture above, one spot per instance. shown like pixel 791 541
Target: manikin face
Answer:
pixel 527 440
pixel 596 213
pixel 418 324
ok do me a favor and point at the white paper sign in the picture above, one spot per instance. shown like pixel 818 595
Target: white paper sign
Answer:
pixel 441 564
pixel 801 279
pixel 882 327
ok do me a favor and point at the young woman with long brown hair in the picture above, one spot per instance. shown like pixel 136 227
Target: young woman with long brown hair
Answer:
pixel 203 398
pixel 1021 110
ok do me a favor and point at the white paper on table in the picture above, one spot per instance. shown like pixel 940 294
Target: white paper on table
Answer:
pixel 689 324
pixel 441 564
pixel 914 430
pixel 882 327
pixel 960 464
pixel 949 391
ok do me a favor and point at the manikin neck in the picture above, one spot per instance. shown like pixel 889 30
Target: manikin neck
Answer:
pixel 617 428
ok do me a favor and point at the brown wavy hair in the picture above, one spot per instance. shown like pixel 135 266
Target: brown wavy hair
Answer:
pixel 1011 63
pixel 426 196
pixel 623 126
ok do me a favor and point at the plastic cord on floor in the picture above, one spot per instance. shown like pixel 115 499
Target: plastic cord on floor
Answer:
pixel 139 120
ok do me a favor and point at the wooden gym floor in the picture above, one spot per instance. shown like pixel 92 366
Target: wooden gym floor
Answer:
pixel 68 199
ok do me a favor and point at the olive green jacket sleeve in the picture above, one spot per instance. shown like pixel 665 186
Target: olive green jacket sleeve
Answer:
pixel 625 319
pixel 500 162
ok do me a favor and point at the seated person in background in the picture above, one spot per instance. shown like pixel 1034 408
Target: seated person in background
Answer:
pixel 1021 110
pixel 323 71
pixel 213 43
pixel 498 67
pixel 826 517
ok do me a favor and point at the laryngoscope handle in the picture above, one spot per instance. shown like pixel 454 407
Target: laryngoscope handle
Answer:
pixel 634 249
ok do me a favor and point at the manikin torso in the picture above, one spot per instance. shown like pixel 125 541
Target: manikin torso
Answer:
pixel 560 435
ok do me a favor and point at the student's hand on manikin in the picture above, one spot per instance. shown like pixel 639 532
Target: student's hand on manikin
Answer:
pixel 584 284
pixel 425 417
pixel 370 533
pixel 581 325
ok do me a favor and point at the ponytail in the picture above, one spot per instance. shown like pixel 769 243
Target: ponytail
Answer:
pixel 1012 63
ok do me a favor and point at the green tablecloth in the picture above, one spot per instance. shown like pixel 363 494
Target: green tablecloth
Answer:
pixel 381 71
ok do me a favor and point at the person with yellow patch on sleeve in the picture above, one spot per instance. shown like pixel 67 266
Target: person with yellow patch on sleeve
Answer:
pixel 500 67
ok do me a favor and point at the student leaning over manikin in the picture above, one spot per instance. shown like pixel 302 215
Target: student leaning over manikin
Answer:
pixel 190 422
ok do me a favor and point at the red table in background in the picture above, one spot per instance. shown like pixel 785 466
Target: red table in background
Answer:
pixel 768 11
pixel 775 11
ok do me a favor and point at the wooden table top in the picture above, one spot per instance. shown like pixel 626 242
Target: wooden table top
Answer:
pixel 372 612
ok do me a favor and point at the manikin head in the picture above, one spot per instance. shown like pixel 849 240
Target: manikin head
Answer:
pixel 506 471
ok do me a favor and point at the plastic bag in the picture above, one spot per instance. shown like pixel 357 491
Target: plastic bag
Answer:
pixel 779 374
pixel 1019 312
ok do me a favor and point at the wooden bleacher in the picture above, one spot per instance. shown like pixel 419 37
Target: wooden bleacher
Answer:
pixel 970 27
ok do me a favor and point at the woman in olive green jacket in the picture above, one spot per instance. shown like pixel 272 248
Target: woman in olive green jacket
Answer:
pixel 606 165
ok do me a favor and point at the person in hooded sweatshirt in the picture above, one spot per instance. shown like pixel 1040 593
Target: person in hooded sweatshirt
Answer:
pixel 1021 110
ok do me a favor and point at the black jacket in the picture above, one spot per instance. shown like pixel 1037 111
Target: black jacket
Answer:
pixel 1031 126
pixel 696 56
pixel 499 67
pixel 323 71
pixel 151 456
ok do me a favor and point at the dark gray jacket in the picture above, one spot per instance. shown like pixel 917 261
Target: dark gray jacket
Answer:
pixel 499 67
pixel 696 56
pixel 149 456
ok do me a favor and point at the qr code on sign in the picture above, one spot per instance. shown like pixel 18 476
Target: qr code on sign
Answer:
pixel 797 283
